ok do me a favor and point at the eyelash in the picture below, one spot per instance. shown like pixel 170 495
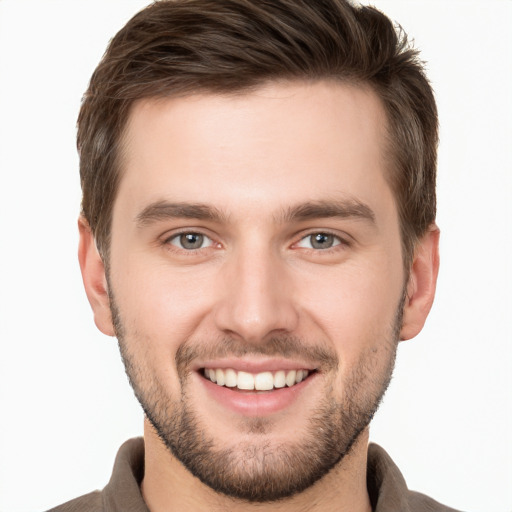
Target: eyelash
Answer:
pixel 339 244
pixel 168 242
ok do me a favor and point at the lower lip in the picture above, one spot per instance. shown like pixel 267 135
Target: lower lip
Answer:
pixel 256 403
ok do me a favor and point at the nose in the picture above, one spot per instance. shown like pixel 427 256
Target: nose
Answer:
pixel 257 300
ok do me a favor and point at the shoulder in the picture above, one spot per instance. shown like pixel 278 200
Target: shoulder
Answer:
pixel 421 502
pixel 122 492
pixel 388 490
pixel 91 502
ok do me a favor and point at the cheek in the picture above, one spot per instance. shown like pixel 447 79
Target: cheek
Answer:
pixel 354 307
pixel 161 306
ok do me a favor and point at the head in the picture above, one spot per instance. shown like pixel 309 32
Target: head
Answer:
pixel 258 198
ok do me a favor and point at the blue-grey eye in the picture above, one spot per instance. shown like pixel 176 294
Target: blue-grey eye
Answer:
pixel 190 241
pixel 319 241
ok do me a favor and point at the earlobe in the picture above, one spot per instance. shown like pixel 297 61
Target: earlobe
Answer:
pixel 421 286
pixel 93 276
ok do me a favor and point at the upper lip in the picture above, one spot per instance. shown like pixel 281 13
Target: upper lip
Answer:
pixel 253 365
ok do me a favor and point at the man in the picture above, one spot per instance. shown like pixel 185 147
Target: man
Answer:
pixel 258 231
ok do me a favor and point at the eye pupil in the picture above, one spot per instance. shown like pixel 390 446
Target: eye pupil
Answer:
pixel 322 241
pixel 191 240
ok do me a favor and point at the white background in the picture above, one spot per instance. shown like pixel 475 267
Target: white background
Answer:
pixel 65 402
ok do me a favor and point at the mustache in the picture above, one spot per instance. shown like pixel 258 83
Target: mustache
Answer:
pixel 319 355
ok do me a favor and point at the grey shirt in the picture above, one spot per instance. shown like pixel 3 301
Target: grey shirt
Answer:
pixel 386 486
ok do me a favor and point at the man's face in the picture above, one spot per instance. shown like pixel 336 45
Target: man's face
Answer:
pixel 256 241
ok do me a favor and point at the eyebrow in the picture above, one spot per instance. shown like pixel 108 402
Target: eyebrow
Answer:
pixel 344 209
pixel 164 210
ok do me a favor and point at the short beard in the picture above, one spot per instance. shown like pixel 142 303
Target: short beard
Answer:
pixel 261 471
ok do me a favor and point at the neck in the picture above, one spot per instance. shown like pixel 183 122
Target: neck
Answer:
pixel 167 485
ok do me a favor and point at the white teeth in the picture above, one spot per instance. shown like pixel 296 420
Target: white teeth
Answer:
pixel 290 378
pixel 231 379
pixel 219 377
pixel 280 379
pixel 263 381
pixel 245 380
pixel 301 375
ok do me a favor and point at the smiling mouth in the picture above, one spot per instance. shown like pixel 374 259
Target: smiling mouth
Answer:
pixel 263 381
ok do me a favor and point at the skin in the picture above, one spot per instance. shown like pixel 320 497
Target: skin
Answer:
pixel 254 157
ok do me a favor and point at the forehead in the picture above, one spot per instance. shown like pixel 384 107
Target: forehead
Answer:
pixel 268 148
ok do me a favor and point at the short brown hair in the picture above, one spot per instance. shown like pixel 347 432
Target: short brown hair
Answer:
pixel 176 47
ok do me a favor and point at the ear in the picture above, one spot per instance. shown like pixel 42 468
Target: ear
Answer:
pixel 421 286
pixel 95 281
